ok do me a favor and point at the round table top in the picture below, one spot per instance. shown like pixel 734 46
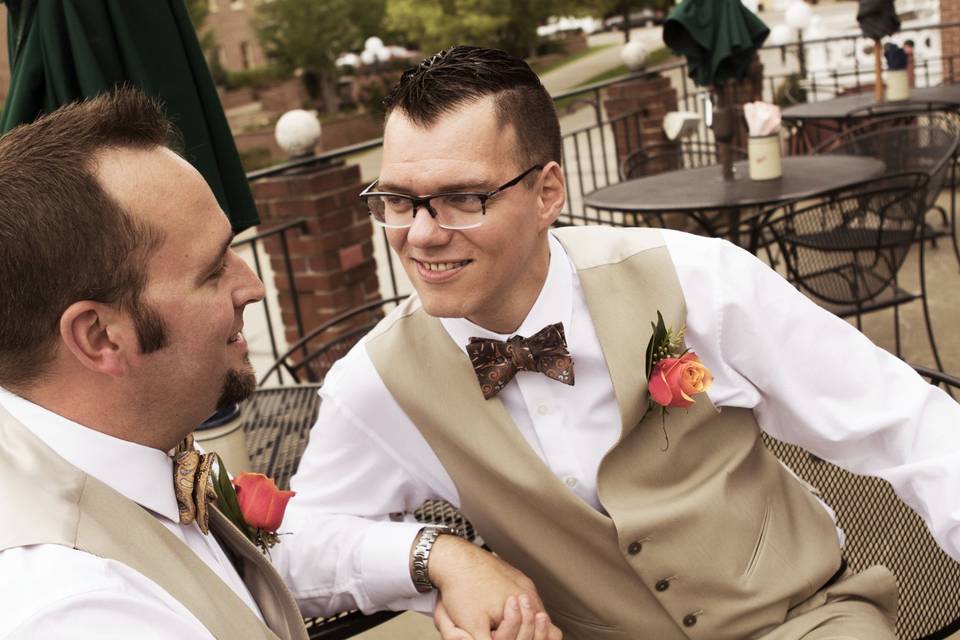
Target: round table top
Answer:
pixel 704 189
pixel 864 104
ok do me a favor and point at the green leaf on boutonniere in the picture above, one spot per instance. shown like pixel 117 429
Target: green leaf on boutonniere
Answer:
pixel 659 339
pixel 227 500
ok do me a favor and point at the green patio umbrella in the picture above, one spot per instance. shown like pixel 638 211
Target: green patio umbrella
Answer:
pixel 66 50
pixel 718 37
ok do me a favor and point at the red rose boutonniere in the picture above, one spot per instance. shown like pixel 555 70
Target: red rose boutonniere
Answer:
pixel 674 374
pixel 254 504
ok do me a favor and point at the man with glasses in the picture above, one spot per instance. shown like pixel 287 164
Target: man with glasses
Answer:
pixel 513 385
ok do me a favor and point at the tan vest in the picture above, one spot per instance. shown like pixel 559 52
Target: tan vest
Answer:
pixel 49 501
pixel 712 531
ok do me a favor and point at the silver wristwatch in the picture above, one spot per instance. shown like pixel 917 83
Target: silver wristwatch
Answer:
pixel 420 557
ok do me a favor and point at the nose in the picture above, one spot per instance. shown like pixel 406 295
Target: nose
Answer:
pixel 425 231
pixel 249 288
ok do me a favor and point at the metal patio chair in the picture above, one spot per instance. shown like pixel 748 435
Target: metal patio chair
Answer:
pixel 845 249
pixel 310 357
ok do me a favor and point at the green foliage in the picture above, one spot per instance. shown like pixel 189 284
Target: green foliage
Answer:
pixel 258 78
pixel 432 25
pixel 309 35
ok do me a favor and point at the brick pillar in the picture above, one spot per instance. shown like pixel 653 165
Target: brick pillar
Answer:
pixel 950 40
pixel 647 99
pixel 332 262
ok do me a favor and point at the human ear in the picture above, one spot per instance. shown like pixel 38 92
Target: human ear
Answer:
pixel 97 336
pixel 552 194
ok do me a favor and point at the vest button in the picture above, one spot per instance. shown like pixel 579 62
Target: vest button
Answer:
pixel 634 548
pixel 662 585
pixel 689 620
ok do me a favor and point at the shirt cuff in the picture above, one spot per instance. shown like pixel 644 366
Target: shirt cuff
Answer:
pixel 385 560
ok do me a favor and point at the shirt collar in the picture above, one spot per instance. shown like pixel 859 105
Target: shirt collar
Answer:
pixel 142 474
pixel 554 304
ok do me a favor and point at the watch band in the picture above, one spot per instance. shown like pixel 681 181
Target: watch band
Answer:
pixel 420 557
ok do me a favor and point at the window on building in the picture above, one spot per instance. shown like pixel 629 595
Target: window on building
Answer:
pixel 245 55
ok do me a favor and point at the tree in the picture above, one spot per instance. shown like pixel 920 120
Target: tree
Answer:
pixel 308 36
pixel 432 25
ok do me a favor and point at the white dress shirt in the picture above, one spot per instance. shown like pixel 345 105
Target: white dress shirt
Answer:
pixel 49 591
pixel 810 378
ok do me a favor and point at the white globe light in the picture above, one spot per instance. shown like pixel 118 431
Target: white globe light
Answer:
pixel 780 34
pixel 297 132
pixel 634 55
pixel 348 60
pixel 373 43
pixel 383 54
pixel 798 15
pixel 368 57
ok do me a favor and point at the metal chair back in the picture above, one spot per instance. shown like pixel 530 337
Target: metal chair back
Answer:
pixel 309 359
pixel 844 249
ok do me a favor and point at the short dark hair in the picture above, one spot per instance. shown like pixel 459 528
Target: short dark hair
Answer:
pixel 62 237
pixel 447 80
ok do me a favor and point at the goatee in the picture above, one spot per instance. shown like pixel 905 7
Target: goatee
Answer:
pixel 237 387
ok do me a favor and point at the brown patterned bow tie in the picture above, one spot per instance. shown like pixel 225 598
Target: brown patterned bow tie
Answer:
pixel 192 483
pixel 497 362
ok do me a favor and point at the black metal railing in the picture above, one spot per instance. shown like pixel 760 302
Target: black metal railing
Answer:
pixel 591 153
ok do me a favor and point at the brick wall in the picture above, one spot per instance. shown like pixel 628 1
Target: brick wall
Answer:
pixel 950 38
pixel 333 264
pixel 230 21
pixel 4 63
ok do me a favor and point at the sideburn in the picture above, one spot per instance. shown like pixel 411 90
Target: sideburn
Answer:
pixel 151 328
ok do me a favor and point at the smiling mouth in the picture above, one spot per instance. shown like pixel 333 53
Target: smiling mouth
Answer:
pixel 442 266
pixel 235 337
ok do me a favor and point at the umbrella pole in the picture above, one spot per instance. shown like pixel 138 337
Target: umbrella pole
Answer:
pixel 723 128
pixel 878 70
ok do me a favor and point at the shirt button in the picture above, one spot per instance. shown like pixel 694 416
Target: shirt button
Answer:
pixel 689 620
pixel 570 481
pixel 662 585
pixel 634 548
pixel 543 409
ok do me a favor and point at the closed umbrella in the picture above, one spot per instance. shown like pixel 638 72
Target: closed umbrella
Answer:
pixel 877 19
pixel 719 39
pixel 66 50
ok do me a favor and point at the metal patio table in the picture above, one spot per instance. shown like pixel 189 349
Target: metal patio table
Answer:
pixel 698 192
pixel 814 122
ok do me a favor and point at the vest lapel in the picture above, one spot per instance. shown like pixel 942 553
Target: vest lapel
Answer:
pixel 62 505
pixel 276 603
pixel 623 302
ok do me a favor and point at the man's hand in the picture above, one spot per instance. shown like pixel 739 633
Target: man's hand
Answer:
pixel 480 593
pixel 519 623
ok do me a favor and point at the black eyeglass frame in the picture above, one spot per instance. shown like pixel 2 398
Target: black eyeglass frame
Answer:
pixel 424 201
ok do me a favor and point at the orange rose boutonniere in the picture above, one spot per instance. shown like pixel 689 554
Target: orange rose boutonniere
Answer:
pixel 254 504
pixel 674 374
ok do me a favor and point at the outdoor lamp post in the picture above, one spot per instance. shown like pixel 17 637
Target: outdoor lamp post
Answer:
pixel 798 17
pixel 634 55
pixel 297 132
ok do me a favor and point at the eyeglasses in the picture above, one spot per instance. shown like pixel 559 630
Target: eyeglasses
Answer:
pixel 450 210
